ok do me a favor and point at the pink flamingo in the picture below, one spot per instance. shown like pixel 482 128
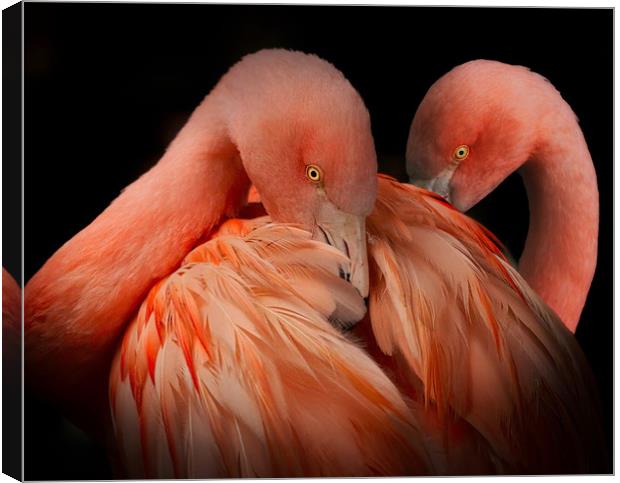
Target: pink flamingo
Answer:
pixel 294 126
pixel 233 365
pixel 482 121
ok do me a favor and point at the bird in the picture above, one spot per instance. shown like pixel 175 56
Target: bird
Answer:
pixel 265 353
pixel 484 120
pixel 488 368
pixel 244 359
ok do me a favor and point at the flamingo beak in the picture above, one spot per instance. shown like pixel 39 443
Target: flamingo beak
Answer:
pixel 440 184
pixel 347 232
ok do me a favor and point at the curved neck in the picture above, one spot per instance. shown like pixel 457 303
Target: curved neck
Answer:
pixel 79 302
pixel 560 251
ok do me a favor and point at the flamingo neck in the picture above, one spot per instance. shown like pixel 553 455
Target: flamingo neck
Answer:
pixel 82 298
pixel 560 251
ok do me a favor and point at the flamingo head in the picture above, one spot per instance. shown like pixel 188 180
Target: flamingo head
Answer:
pixel 475 126
pixel 304 137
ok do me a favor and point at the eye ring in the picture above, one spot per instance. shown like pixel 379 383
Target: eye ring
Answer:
pixel 461 152
pixel 314 173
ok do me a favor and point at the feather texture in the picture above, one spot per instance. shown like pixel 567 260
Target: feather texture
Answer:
pixel 490 367
pixel 232 369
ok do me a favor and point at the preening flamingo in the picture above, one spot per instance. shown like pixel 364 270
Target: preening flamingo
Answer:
pixel 294 126
pixel 483 120
pixel 234 365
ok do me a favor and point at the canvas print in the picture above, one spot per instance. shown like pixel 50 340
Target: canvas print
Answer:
pixel 311 241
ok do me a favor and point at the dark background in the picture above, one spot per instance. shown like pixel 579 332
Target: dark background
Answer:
pixel 107 86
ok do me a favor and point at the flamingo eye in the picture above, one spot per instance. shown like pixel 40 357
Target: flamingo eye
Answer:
pixel 313 173
pixel 461 152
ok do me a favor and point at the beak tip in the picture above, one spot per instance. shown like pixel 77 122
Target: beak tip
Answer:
pixel 347 232
pixel 360 282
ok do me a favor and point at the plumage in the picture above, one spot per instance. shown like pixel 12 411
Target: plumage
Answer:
pixel 232 369
pixel 461 332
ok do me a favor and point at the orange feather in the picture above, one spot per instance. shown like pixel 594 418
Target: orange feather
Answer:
pixel 461 324
pixel 285 394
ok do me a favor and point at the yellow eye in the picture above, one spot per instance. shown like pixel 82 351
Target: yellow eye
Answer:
pixel 313 173
pixel 461 152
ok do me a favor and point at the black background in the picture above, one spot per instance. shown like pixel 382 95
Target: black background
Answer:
pixel 107 86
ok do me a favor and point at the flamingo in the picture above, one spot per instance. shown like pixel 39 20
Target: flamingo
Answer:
pixel 231 359
pixel 483 120
pixel 293 125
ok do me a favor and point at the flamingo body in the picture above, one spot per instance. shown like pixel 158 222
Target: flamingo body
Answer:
pixel 490 367
pixel 468 371
pixel 233 369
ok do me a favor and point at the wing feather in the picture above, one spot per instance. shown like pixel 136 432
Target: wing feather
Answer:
pixel 462 333
pixel 233 369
